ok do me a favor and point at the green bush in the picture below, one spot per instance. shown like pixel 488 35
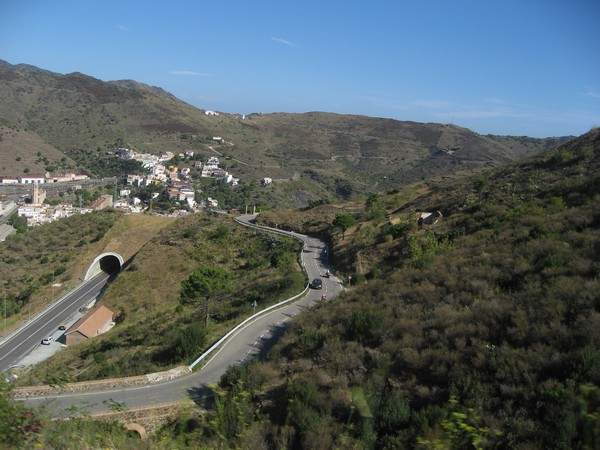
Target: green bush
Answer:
pixel 191 341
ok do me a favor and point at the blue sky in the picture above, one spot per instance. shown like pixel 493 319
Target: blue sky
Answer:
pixel 520 67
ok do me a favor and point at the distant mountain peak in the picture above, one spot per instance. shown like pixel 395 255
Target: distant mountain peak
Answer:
pixel 132 84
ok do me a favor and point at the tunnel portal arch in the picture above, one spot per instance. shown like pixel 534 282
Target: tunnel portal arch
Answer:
pixel 108 262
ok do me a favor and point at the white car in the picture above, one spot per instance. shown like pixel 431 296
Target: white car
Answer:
pixel 46 341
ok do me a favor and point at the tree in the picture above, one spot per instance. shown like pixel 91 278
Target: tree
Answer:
pixel 204 286
pixel 18 222
pixel 191 341
pixel 344 221
pixel 375 207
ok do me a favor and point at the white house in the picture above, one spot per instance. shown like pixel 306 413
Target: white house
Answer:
pixel 10 180
pixel 32 179
pixel 134 180
pixel 220 174
pixel 211 113
pixel 266 181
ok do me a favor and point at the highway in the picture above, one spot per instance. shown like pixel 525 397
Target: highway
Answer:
pixel 25 339
pixel 251 341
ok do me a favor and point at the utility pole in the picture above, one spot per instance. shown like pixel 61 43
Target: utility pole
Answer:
pixel 53 285
pixel 115 197
pixel 4 315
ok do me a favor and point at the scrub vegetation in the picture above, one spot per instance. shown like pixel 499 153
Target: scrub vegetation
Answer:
pixel 31 262
pixel 181 292
pixel 478 331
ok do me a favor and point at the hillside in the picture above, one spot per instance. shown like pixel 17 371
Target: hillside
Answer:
pixel 73 120
pixel 479 330
pixel 155 328
pixel 61 252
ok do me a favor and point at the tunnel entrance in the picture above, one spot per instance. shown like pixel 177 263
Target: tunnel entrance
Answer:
pixel 110 263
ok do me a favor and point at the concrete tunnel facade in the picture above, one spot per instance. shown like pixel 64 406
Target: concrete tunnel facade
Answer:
pixel 109 262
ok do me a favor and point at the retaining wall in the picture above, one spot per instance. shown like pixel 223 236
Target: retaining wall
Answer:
pixel 100 385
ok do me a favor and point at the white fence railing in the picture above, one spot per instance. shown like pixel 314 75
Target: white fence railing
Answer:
pixel 254 316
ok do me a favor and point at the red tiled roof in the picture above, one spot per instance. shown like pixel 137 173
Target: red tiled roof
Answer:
pixel 94 320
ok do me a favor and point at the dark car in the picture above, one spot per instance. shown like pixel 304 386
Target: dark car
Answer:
pixel 317 283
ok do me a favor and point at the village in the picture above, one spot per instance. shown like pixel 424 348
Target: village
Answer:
pixel 172 182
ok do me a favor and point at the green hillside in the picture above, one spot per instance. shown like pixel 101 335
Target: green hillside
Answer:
pixel 479 330
pixel 153 317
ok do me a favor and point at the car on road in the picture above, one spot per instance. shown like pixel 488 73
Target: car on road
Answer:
pixel 47 341
pixel 62 326
pixel 317 283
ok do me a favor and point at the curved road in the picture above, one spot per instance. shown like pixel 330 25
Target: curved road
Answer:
pixel 252 340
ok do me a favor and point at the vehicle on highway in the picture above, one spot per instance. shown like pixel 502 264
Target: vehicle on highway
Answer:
pixel 47 341
pixel 62 326
pixel 317 283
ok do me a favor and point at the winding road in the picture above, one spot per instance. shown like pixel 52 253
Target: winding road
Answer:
pixel 251 340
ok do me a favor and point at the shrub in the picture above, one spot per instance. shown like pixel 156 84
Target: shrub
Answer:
pixel 191 341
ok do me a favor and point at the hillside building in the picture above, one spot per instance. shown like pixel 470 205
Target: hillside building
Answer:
pixel 95 322
pixel 32 179
pixel 105 201
pixel 39 195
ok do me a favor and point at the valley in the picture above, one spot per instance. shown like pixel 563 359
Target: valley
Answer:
pixel 473 329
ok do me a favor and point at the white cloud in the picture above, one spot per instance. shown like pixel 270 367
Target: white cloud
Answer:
pixel 122 27
pixel 593 94
pixel 189 73
pixel 284 41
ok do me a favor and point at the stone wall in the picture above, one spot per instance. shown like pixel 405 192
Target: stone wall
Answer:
pixel 150 418
pixel 100 385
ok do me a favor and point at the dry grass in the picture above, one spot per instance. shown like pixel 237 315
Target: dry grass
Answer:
pixel 19 151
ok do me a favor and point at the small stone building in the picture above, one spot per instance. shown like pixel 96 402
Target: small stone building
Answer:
pixel 428 218
pixel 95 322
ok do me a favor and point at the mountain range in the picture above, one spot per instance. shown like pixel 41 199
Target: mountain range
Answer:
pixel 54 122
